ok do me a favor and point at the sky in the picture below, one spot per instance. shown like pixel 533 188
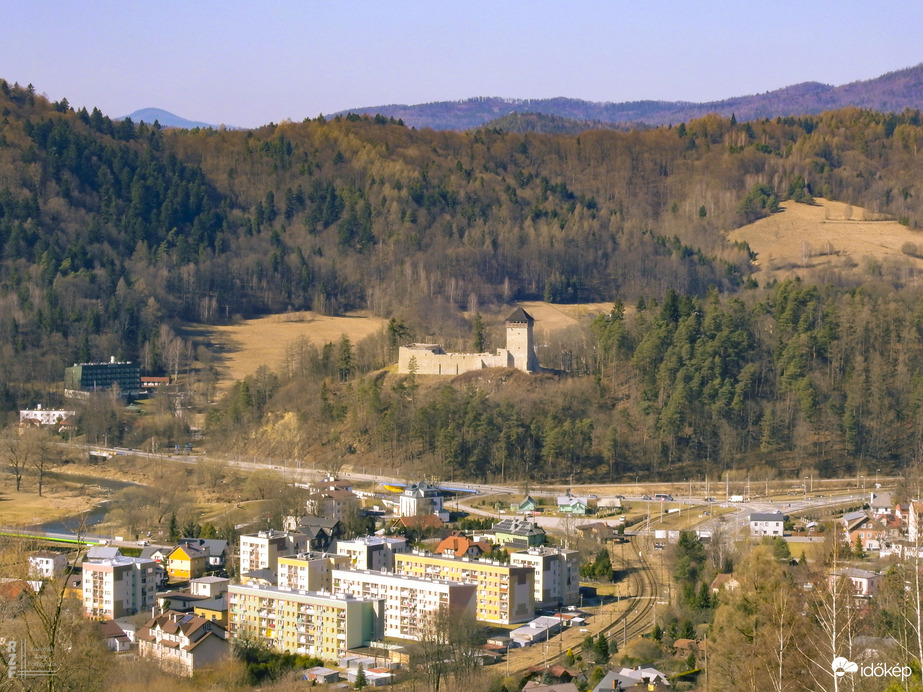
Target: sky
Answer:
pixel 246 64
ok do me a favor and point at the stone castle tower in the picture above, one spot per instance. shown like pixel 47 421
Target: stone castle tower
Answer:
pixel 430 359
pixel 520 342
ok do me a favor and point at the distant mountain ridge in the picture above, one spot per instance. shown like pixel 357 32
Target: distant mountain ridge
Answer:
pixel 165 118
pixel 892 92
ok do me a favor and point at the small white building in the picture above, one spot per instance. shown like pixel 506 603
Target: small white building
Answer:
pixel 767 523
pixel 865 584
pixel 42 416
pixel 47 564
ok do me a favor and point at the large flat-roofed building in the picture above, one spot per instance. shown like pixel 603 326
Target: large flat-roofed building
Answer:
pixel 409 602
pixel 118 586
pixel 303 622
pixel 309 571
pixel 82 378
pixel 557 574
pixel 372 552
pixel 505 593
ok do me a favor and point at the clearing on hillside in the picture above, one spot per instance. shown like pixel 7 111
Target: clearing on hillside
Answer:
pixel 246 346
pixel 827 236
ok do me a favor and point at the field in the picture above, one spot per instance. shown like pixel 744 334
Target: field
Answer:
pixel 245 346
pixel 825 236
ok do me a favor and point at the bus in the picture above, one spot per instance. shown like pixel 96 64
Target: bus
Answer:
pixel 663 497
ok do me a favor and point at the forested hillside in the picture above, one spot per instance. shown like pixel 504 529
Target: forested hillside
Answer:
pixel 114 235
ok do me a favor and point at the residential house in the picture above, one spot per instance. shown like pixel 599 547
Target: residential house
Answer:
pixel 409 602
pixel 182 643
pixel 865 584
pixel 332 504
pixel 187 561
pixel 303 622
pixel 628 678
pixel 724 581
pixel 459 545
pixel 521 533
pixel 767 524
pixel 372 552
pixel 262 550
pixel 570 504
pixel 47 564
pixel 867 531
pixel 214 609
pixel 321 531
pixel 422 498
pixel 599 530
pixel 114 636
pixel 557 574
pixel 215 549
pixel 117 587
pixel 527 506
pixel 881 504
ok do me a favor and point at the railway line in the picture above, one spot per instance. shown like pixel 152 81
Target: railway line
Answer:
pixel 629 617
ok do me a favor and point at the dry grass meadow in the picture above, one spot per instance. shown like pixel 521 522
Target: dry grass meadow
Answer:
pixel 827 236
pixel 245 346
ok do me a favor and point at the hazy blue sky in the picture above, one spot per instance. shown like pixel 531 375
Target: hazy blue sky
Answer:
pixel 249 63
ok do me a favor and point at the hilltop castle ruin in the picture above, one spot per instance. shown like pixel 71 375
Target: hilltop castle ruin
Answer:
pixel 430 359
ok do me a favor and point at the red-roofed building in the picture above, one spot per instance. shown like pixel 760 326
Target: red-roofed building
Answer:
pixel 460 546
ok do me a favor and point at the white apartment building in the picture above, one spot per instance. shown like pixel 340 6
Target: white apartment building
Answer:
pixel 309 571
pixel 263 550
pixel 557 574
pixel 373 552
pixel 118 586
pixel 409 602
pixel 303 622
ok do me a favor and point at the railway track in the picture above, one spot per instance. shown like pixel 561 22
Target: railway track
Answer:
pixel 636 619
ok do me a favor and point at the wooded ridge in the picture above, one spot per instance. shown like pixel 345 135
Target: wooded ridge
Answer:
pixel 114 235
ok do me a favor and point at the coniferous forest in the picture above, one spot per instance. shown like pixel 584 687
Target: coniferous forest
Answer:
pixel 115 237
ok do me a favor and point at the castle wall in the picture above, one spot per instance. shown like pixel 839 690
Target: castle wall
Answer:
pixel 434 361
pixel 519 353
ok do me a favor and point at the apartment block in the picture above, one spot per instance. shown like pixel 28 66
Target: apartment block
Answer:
pixel 505 593
pixel 309 571
pixel 557 574
pixel 409 602
pixel 118 586
pixel 263 550
pixel 372 552
pixel 303 622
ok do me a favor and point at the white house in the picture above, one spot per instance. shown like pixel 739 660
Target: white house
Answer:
pixel 47 564
pixel 422 498
pixel 865 583
pixel 766 523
